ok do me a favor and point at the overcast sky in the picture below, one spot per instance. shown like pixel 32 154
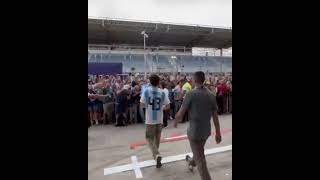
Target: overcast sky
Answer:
pixel 202 12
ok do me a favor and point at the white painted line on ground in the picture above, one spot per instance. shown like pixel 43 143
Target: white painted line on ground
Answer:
pixel 136 167
pixel 148 163
pixel 218 149
pixel 117 169
pixel 183 156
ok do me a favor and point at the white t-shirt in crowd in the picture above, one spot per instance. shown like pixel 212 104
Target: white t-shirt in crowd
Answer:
pixel 166 92
pixel 154 99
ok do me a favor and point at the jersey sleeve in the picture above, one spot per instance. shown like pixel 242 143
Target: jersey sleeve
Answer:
pixel 143 97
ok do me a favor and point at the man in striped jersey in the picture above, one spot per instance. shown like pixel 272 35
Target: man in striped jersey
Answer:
pixel 155 101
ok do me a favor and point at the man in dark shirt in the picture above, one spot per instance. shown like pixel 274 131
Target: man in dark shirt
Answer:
pixel 107 102
pixel 122 105
pixel 222 96
pixel 98 107
pixel 133 83
pixel 200 104
pixel 171 98
pixel 135 98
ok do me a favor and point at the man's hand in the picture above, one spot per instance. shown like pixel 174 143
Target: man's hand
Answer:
pixel 217 126
pixel 175 123
pixel 166 107
pixel 178 117
pixel 94 96
pixel 218 138
pixel 142 105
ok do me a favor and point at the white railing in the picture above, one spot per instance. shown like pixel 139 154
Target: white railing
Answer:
pixel 140 52
pixel 158 22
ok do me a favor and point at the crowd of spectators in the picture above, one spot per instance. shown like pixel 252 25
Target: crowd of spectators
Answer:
pixel 114 99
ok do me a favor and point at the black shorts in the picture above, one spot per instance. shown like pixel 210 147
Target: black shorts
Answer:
pixel 121 108
pixel 171 105
pixel 100 106
pixel 90 107
pixel 95 107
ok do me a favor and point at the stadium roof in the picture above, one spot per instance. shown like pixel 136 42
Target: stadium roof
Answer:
pixel 119 31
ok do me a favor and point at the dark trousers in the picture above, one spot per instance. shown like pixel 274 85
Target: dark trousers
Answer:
pixel 230 103
pixel 177 105
pixel 220 104
pixel 165 118
pixel 135 110
pixel 199 159
pixel 172 110
pixel 185 117
pixel 142 113
pixel 225 104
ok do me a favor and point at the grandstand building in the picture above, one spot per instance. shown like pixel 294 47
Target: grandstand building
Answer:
pixel 168 47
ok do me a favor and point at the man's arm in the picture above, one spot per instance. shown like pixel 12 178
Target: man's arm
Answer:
pixel 101 95
pixel 136 93
pixel 143 100
pixel 92 96
pixel 184 107
pixel 215 118
pixel 182 94
pixel 217 126
pixel 180 115
pixel 143 105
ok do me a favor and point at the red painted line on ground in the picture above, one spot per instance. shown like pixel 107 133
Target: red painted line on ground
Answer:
pixel 175 134
pixel 174 138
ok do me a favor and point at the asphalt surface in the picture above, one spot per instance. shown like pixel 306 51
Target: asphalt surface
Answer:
pixel 109 146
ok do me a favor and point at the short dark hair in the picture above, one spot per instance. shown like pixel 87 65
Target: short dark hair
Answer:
pixel 199 77
pixel 154 80
pixel 163 84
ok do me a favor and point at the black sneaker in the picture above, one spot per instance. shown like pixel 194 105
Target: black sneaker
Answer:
pixel 158 158
pixel 189 165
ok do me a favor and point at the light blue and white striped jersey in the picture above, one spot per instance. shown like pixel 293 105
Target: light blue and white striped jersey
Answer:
pixel 145 86
pixel 154 100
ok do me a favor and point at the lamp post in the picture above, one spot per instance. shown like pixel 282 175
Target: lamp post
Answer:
pixel 144 48
pixel 175 59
